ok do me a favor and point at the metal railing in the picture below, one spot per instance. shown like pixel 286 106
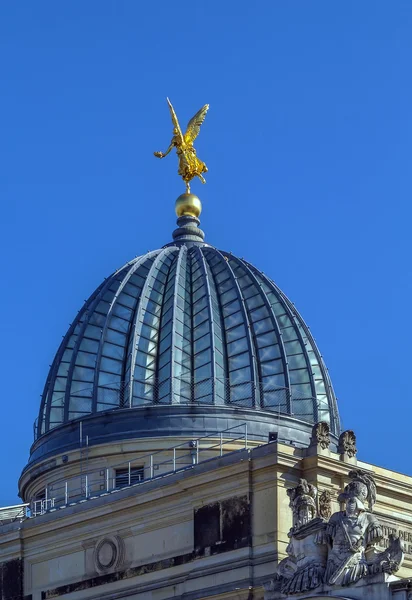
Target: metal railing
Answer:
pixel 181 390
pixel 10 514
pixel 162 463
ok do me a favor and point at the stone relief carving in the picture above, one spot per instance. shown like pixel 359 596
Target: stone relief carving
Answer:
pixel 304 568
pixel 303 503
pixel 108 554
pixel 335 550
pixel 325 504
pixel 321 435
pixel 352 532
pixel 347 443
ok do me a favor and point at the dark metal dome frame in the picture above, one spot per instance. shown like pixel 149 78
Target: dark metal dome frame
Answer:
pixel 188 325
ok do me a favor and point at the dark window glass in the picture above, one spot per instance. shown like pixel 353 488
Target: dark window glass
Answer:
pixel 80 405
pixel 289 334
pixel 122 311
pixel 272 367
pixel 110 365
pixel 81 388
pixel 266 339
pixel 297 361
pixel 116 337
pixel 233 320
pixel 235 333
pixel 241 375
pixel 89 345
pixel 203 372
pixel 273 381
pixel 231 308
pixel 108 379
pixel 299 376
pixel 124 478
pixel 86 359
pixel 263 325
pixel 202 357
pixel 293 348
pixel 201 343
pixel 200 330
pixel 113 351
pixel 97 319
pixel 92 331
pixel 269 353
pixel 237 347
pixel 83 374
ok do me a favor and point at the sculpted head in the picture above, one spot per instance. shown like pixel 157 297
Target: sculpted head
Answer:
pixel 354 496
pixel 303 503
pixel 306 510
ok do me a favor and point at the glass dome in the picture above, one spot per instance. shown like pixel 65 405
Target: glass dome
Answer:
pixel 188 324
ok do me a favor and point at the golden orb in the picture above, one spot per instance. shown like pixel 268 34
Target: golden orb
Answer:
pixel 188 205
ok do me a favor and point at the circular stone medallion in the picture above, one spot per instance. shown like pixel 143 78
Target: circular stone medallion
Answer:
pixel 108 554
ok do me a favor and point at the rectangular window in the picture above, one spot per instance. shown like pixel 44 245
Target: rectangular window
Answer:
pixel 222 526
pixel 122 476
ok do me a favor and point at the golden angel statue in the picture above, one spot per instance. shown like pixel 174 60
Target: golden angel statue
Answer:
pixel 189 165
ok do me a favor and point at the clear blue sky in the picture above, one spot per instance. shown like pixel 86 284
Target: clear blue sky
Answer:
pixel 308 143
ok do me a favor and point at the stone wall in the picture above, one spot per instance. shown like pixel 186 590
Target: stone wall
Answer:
pixel 216 530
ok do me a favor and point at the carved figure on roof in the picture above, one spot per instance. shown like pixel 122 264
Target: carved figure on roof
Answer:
pixel 189 165
pixel 353 535
pixel 304 567
pixel 338 552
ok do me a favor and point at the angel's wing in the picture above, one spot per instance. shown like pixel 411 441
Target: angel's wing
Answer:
pixel 194 124
pixel 174 118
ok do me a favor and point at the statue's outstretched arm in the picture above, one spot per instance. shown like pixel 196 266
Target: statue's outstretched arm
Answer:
pixel 163 154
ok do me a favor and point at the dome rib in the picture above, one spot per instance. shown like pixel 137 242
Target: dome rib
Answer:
pixel 176 339
pixel 252 357
pixel 212 336
pixel 332 404
pixel 134 268
pixel 44 413
pixel 84 393
pixel 300 326
pixel 89 314
pixel 277 333
pixel 307 361
pixel 143 303
pixel 221 390
pixel 163 385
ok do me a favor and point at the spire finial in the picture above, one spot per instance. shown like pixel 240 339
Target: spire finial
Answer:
pixel 188 205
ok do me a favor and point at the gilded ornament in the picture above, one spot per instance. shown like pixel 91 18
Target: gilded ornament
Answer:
pixel 190 165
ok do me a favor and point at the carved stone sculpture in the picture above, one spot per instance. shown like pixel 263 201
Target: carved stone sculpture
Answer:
pixel 304 567
pixel 347 443
pixel 321 435
pixel 338 552
pixel 353 534
pixel 325 504
pixel 303 503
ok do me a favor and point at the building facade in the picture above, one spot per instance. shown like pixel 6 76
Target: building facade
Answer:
pixel 188 446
